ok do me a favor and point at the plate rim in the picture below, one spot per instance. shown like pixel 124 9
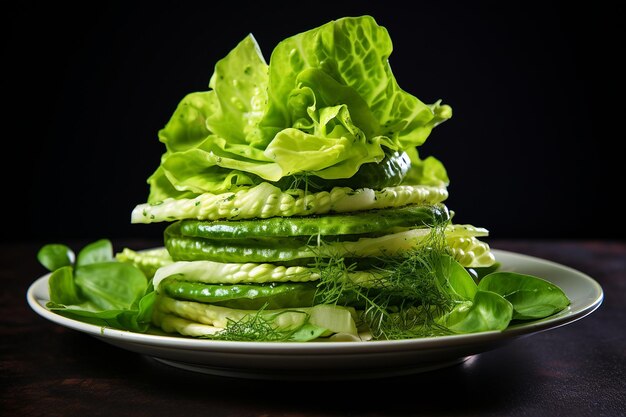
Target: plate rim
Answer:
pixel 567 316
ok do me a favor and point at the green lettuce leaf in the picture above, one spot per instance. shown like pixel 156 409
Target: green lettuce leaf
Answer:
pixel 354 52
pixel 326 104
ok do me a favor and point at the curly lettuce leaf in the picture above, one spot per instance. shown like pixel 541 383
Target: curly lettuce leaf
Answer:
pixel 428 171
pixel 239 84
pixel 353 51
pixel 326 104
pixel 198 158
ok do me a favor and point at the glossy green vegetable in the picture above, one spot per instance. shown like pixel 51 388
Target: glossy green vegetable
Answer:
pixel 241 296
pixel 184 248
pixel 369 222
pixel 389 172
pixel 273 295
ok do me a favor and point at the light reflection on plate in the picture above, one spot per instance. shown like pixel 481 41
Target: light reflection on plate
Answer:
pixel 341 360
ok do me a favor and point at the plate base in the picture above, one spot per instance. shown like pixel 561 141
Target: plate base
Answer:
pixel 308 375
pixel 342 360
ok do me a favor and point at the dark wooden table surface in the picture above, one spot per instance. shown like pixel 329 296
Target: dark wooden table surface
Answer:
pixel 574 370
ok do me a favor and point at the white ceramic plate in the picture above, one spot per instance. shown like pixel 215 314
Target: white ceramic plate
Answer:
pixel 341 360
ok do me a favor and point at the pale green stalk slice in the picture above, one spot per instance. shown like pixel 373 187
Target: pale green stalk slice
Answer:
pixel 336 319
pixel 265 200
pixel 233 273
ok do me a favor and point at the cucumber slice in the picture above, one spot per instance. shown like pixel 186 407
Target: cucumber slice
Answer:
pixel 255 296
pixel 242 296
pixel 375 221
pixel 185 248
pixel 387 173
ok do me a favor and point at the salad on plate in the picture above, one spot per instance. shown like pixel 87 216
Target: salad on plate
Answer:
pixel 297 207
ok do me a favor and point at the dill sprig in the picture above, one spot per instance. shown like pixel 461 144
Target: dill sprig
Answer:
pixel 259 326
pixel 334 283
pixel 303 181
pixel 405 296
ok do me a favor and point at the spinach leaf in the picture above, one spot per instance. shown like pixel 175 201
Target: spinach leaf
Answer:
pixel 97 289
pixel 455 279
pixel 532 297
pixel 95 252
pixel 487 311
pixel 63 290
pixel 55 255
pixel 111 285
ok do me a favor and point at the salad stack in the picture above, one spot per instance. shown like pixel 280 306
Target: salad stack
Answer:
pixel 296 206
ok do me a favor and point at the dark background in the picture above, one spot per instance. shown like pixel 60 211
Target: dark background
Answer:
pixel 532 149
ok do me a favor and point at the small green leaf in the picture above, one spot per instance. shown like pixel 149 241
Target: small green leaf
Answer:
pixel 455 278
pixel 62 288
pixel 111 285
pixel 487 312
pixel 531 297
pixel 55 255
pixel 95 252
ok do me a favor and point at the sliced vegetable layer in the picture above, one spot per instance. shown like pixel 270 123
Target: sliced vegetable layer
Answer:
pixel 367 222
pixel 266 200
